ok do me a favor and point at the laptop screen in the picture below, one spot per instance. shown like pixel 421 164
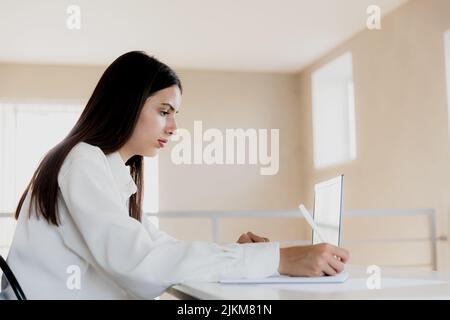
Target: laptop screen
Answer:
pixel 328 210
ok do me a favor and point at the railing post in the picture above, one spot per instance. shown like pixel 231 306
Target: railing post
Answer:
pixel 433 235
pixel 215 228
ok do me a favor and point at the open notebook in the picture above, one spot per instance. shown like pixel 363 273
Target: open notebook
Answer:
pixel 339 278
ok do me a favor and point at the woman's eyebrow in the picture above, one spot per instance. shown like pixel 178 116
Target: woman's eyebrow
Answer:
pixel 168 104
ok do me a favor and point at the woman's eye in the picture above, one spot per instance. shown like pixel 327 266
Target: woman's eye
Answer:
pixel 163 113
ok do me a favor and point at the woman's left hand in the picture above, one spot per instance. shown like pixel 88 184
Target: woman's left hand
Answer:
pixel 250 237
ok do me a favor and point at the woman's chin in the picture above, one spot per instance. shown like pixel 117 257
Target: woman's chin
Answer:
pixel 151 153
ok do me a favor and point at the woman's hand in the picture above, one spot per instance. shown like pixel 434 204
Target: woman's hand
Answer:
pixel 250 237
pixel 312 261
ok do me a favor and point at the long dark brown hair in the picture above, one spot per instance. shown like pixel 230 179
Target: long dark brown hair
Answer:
pixel 107 122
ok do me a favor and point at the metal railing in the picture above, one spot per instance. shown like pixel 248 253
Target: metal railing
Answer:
pixel 216 217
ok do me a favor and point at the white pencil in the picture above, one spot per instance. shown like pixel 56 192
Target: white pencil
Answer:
pixel 311 222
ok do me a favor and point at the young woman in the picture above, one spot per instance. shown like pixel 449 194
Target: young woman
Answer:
pixel 80 231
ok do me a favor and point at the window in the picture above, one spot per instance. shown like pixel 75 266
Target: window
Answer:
pixel 27 132
pixel 334 113
pixel 447 67
pixel 151 188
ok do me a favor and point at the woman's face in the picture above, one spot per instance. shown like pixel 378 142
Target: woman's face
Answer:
pixel 155 124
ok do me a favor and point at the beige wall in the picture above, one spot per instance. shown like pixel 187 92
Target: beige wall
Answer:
pixel 25 82
pixel 403 148
pixel 236 100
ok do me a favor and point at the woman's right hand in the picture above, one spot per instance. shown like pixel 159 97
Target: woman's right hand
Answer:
pixel 312 261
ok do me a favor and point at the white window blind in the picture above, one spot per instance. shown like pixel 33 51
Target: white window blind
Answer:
pixel 334 113
pixel 28 131
pixel 151 188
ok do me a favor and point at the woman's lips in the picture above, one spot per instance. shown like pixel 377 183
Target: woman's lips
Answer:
pixel 162 142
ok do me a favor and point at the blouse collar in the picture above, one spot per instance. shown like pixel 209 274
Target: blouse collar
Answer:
pixel 121 174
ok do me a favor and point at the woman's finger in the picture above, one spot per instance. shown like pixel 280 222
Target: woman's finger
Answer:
pixel 256 238
pixel 329 270
pixel 335 263
pixel 244 238
pixel 341 253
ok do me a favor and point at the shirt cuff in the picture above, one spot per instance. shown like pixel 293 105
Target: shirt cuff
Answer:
pixel 261 259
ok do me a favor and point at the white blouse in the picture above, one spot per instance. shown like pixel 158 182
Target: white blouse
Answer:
pixel 99 252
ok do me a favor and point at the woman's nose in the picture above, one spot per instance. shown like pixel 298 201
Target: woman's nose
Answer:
pixel 171 126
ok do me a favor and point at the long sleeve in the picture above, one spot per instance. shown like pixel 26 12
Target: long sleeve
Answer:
pixel 143 264
pixel 157 236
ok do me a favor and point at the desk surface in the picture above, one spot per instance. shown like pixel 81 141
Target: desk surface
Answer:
pixel 396 283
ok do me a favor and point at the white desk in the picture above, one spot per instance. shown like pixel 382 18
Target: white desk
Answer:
pixel 396 283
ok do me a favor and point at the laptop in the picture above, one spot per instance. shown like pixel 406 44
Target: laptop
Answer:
pixel 328 218
pixel 327 212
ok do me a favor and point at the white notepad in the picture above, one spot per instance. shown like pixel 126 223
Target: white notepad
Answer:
pixel 339 278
